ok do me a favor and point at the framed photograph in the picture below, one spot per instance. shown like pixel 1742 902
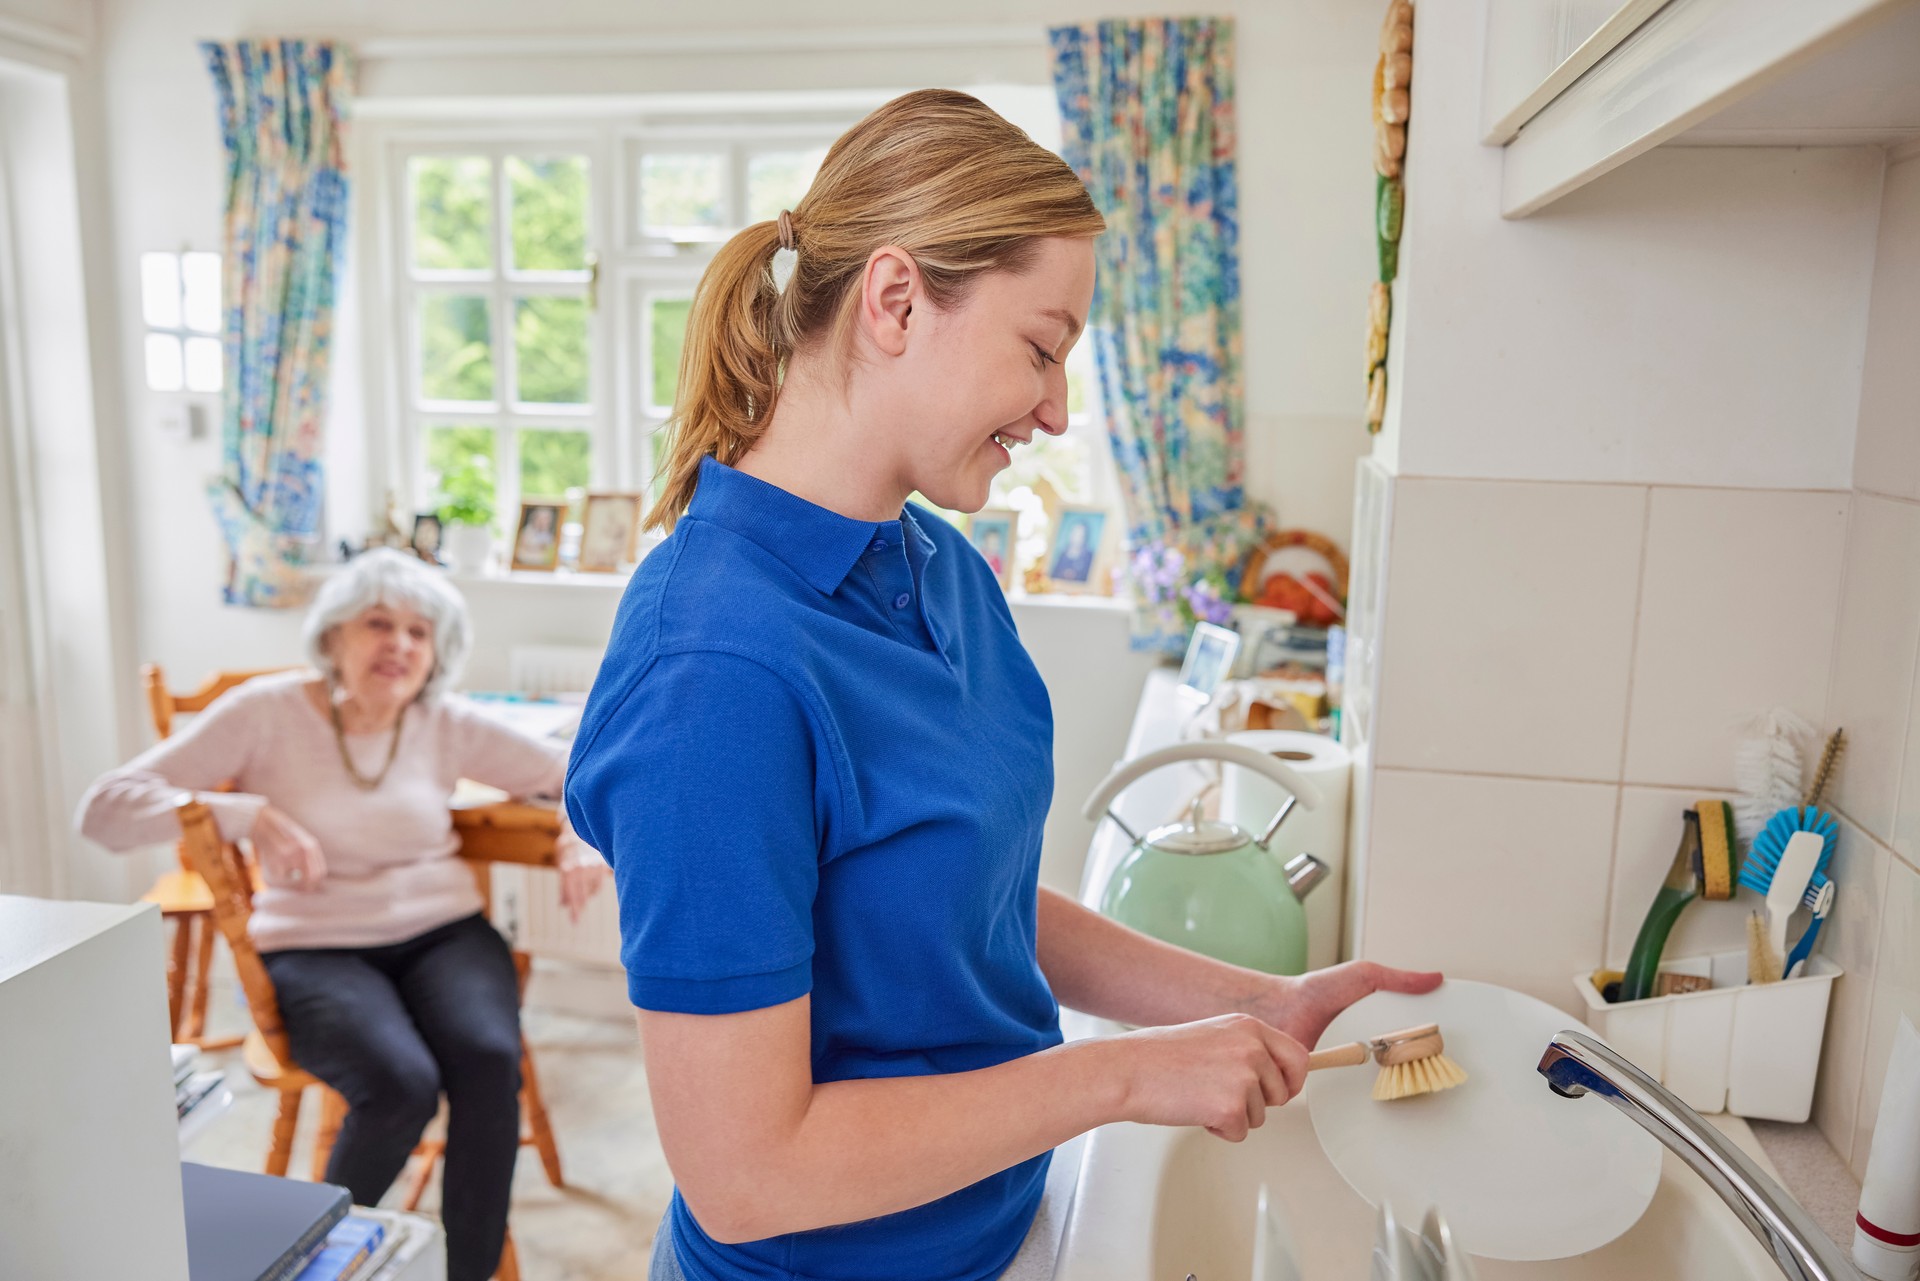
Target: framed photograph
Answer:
pixel 426 537
pixel 536 535
pixel 1209 659
pixel 991 531
pixel 610 532
pixel 1077 557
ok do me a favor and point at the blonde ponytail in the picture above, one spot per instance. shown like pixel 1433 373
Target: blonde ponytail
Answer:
pixel 937 173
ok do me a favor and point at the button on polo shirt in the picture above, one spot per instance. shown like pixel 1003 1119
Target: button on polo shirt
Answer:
pixel 819 759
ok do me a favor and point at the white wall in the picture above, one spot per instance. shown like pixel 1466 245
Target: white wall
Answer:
pixel 1873 691
pixel 1307 252
pixel 1620 430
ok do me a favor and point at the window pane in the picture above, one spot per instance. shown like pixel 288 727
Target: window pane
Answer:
pixel 203 364
pixel 160 290
pixel 164 362
pixel 777 180
pixel 682 192
pixel 456 348
pixel 452 225
pixel 201 275
pixel 666 335
pixel 470 448
pixel 550 348
pixel 549 212
pixel 552 462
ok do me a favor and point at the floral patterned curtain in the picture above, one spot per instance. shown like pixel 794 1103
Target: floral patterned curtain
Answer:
pixel 1148 123
pixel 281 107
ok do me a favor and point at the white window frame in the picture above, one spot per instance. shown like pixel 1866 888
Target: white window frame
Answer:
pixel 631 268
pixel 502 288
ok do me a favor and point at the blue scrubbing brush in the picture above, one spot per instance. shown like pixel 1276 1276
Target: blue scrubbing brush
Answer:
pixel 1763 858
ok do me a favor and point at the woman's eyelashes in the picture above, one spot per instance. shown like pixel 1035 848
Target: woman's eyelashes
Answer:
pixel 1046 357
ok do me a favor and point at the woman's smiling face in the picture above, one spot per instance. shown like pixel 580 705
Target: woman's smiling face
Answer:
pixel 384 654
pixel 988 376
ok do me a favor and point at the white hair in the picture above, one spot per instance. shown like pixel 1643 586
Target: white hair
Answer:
pixel 387 577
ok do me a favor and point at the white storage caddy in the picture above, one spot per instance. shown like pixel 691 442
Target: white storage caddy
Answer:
pixel 1749 1049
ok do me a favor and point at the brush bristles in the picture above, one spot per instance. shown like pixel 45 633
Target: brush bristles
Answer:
pixel 1422 1076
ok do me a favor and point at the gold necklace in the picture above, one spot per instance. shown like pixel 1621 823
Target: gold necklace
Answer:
pixel 360 780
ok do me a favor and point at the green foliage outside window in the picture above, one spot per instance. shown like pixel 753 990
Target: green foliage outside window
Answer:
pixel 549 197
pixel 452 200
pixel 667 337
pixel 456 348
pixel 550 346
pixel 553 462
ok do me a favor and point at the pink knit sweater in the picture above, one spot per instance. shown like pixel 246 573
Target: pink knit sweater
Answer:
pixel 392 871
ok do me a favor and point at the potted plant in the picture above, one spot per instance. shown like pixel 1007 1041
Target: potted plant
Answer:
pixel 466 513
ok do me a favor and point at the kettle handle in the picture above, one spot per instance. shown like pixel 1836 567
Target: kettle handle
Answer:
pixel 1239 754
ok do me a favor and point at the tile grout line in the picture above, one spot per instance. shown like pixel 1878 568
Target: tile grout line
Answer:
pixel 1873 1002
pixel 1639 617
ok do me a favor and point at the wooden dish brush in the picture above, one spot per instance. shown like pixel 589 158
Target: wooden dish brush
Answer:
pixel 1412 1061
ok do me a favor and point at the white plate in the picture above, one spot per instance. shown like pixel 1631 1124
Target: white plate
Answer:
pixel 1518 1171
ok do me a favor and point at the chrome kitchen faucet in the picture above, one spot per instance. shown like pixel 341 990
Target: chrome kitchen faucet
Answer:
pixel 1576 1064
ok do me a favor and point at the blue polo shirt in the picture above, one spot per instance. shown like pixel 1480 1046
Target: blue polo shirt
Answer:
pixel 819 758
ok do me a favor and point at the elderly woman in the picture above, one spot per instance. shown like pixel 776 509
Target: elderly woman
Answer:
pixel 393 986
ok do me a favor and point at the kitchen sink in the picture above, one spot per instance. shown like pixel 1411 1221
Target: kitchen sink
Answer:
pixel 1159 1204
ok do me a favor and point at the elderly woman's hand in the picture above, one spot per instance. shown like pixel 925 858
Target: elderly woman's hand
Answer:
pixel 582 871
pixel 289 856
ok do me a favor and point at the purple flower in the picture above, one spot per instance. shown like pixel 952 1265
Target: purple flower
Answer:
pixel 1204 598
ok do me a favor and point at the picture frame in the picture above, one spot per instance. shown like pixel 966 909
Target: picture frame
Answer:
pixel 610 532
pixel 536 534
pixel 1078 553
pixel 1209 661
pixel 992 532
pixel 427 537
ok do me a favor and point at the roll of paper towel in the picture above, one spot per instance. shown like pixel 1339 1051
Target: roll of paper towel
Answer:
pixel 1251 800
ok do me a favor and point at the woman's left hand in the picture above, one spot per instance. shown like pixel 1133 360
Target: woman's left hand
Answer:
pixel 1303 1006
pixel 582 871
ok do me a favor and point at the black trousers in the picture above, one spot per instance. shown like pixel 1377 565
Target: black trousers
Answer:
pixel 392 1027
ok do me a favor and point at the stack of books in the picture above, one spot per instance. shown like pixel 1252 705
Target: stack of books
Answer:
pixel 243 1226
pixel 191 1086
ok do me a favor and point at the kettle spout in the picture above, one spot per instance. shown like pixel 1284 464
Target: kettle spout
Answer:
pixel 1304 871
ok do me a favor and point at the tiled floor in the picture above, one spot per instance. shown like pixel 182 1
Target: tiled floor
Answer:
pixel 599 1227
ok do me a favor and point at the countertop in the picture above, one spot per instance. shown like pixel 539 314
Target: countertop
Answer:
pixel 1814 1173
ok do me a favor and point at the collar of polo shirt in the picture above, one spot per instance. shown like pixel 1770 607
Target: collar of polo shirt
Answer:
pixel 819 545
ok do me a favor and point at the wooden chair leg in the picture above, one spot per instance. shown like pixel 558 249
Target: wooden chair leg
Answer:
pixel 425 1157
pixel 333 1110
pixel 537 1122
pixel 509 1269
pixel 281 1151
pixel 201 979
pixel 177 973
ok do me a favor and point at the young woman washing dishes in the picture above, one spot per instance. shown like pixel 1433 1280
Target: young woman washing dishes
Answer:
pixel 819 758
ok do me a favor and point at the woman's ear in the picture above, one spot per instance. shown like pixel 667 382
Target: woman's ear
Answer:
pixel 888 290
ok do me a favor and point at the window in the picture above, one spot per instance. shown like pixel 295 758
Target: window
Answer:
pixel 180 302
pixel 498 294
pixel 542 274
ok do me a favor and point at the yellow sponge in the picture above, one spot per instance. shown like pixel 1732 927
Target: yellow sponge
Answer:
pixel 1716 849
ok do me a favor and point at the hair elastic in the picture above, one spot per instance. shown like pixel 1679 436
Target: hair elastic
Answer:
pixel 787 257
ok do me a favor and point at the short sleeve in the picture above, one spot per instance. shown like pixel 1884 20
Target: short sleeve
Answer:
pixel 699 786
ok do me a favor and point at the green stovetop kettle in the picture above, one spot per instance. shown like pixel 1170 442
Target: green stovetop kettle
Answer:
pixel 1205 884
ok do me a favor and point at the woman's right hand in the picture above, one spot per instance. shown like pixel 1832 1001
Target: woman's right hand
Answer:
pixel 1221 1073
pixel 289 856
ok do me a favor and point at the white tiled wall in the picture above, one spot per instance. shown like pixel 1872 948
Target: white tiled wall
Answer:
pixel 1875 936
pixel 1497 879
pixel 1576 659
pixel 1736 616
pixel 1508 639
pixel 1886 456
pixel 1876 933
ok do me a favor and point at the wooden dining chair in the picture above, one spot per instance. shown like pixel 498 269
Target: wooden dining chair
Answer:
pixel 269 1059
pixel 180 893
